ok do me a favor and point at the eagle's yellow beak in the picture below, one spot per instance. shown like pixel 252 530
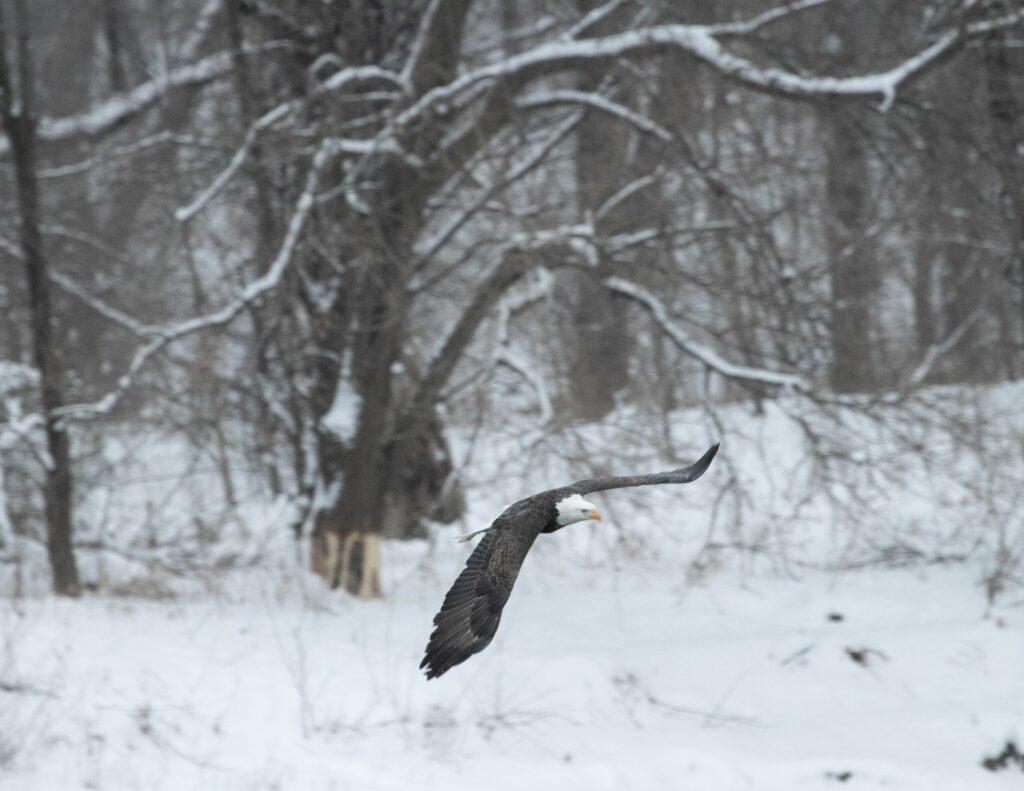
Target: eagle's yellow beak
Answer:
pixel 595 514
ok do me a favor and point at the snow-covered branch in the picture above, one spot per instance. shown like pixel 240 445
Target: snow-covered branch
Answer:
pixel 537 155
pixel 752 25
pixel 69 286
pixel 361 77
pixel 596 101
pixel 263 122
pixel 357 76
pixel 702 42
pixel 508 357
pixel 705 354
pixel 108 114
pixel 251 294
pixel 75 289
pixel 437 40
pixel 117 152
pixel 10 248
pixel 593 18
pixel 627 190
pixel 522 254
pixel 536 288
pixel 15 427
pixel 935 351
pixel 201 30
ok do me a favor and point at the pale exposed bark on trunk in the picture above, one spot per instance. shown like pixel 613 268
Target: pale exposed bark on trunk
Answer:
pixel 358 569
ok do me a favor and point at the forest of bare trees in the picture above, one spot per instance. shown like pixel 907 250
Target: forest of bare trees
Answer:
pixel 317 237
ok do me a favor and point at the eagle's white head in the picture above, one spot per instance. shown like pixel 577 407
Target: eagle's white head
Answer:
pixel 575 509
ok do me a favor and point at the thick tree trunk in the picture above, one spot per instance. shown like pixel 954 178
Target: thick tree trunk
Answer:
pixel 20 127
pixel 361 463
pixel 599 344
pixel 267 236
pixel 375 465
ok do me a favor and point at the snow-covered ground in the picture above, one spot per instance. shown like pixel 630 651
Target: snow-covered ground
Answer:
pixel 701 637
pixel 897 679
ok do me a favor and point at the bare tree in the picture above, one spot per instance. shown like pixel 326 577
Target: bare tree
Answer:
pixel 20 122
pixel 1003 70
pixel 401 181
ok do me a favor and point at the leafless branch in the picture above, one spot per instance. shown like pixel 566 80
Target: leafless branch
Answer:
pixel 252 293
pixel 108 114
pixel 681 338
pixel 595 101
pixel 935 351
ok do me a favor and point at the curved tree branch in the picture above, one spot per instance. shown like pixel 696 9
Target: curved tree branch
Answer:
pixel 518 258
pixel 252 293
pixel 709 357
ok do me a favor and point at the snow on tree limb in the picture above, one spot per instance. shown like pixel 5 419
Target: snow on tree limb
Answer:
pixel 127 150
pixel 268 119
pixel 752 25
pixel 436 45
pixel 419 44
pixel 198 34
pixel 593 18
pixel 702 42
pixel 75 289
pixel 554 97
pixel 706 355
pixel 356 76
pixel 72 287
pixel 536 288
pixel 360 77
pixel 936 350
pixel 115 110
pixel 429 247
pixel 518 257
pixel 106 115
pixel 627 190
pixel 508 357
pixel 250 294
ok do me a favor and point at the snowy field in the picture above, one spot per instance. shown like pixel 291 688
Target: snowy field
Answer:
pixel 630 656
pixel 896 679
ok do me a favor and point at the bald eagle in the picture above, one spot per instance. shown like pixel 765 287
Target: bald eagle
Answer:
pixel 471 611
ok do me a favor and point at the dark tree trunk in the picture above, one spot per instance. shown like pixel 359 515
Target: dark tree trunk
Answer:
pixel 599 344
pixel 923 293
pixel 267 234
pixel 854 268
pixel 378 330
pixel 1004 70
pixel 365 470
pixel 379 469
pixel 20 127
pixel 112 36
pixel 962 296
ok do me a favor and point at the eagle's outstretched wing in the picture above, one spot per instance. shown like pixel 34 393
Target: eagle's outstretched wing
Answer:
pixel 682 475
pixel 471 611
